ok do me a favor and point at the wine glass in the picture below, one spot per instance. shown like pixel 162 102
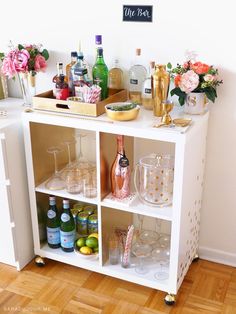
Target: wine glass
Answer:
pixel 164 240
pixel 55 182
pixel 69 165
pixel 141 251
pixel 149 237
pixel 161 255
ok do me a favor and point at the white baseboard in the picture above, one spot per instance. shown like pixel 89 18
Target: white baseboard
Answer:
pixel 217 256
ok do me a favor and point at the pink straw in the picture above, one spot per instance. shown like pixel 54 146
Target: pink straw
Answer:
pixel 128 244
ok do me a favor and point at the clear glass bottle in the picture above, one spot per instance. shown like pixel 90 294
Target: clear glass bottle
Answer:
pixel 59 72
pixel 100 73
pixel 120 172
pixel 115 76
pixel 61 88
pixel 53 224
pixel 67 228
pixel 147 99
pixel 137 75
pixel 68 71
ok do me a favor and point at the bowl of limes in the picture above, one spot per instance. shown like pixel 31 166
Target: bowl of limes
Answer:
pixel 87 246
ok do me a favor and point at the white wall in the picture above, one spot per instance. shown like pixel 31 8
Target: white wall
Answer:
pixel 203 26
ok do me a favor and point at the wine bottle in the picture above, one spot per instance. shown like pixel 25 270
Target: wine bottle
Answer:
pixel 115 76
pixel 147 99
pixel 120 172
pixel 100 73
pixel 53 224
pixel 67 228
pixel 137 75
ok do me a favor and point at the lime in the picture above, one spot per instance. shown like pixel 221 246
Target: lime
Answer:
pixel 81 242
pixel 86 250
pixel 92 242
pixel 95 250
pixel 95 235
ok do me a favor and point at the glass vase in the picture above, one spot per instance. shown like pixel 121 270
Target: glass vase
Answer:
pixel 28 87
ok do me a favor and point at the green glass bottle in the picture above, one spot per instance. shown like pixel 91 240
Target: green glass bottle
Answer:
pixel 53 224
pixel 100 73
pixel 67 228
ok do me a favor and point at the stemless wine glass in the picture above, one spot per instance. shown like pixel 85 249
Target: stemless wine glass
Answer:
pixel 161 256
pixel 141 251
pixel 55 182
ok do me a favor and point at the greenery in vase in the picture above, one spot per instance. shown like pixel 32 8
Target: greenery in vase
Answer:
pixel 194 77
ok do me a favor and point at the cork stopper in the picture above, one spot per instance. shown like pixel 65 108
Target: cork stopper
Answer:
pixel 138 51
pixel 152 64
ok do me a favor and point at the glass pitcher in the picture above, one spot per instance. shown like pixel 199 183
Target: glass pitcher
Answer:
pixel 153 179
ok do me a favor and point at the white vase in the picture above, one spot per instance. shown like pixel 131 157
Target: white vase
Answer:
pixel 196 103
pixel 28 87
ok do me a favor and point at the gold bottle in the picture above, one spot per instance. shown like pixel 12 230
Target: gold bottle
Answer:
pixel 160 88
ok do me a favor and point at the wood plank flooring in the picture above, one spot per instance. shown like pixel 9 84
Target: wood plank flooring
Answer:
pixel 60 288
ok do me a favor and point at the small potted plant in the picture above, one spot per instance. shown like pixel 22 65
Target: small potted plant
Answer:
pixel 195 84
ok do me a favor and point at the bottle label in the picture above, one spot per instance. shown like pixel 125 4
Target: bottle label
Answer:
pixel 124 162
pixel 65 217
pixel 133 81
pixel 147 91
pixel 67 239
pixel 51 214
pixel 53 235
pixel 62 93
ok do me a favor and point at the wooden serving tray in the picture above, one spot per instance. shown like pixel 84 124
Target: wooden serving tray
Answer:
pixel 46 101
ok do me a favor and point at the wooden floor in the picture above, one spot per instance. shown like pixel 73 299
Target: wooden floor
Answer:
pixel 60 288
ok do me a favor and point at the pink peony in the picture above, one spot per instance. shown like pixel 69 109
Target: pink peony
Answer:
pixel 40 64
pixel 210 78
pixel 21 60
pixel 189 81
pixel 8 65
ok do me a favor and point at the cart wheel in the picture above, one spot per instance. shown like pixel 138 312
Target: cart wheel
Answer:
pixel 169 299
pixel 196 258
pixel 39 261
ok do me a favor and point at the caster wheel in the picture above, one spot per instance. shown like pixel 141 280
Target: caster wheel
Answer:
pixel 196 258
pixel 169 299
pixel 39 261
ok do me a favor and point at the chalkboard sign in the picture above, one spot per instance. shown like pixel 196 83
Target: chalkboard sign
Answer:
pixel 137 13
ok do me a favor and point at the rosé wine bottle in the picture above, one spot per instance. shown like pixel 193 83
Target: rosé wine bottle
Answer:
pixel 120 172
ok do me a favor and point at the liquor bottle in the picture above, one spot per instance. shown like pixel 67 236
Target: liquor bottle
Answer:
pixel 120 172
pixel 61 88
pixel 147 99
pixel 80 83
pixel 67 228
pixel 59 72
pixel 137 75
pixel 115 76
pixel 68 71
pixel 53 224
pixel 160 88
pixel 100 73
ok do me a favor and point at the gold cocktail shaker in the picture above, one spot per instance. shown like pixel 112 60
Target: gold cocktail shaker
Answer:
pixel 160 88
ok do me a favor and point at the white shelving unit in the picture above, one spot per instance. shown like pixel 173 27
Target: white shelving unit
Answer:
pixel 16 244
pixel 42 130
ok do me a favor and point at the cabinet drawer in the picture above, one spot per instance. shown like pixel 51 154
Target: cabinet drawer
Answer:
pixel 3 159
pixel 7 248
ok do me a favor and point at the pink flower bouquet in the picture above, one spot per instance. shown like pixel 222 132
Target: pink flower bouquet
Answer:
pixel 24 59
pixel 194 77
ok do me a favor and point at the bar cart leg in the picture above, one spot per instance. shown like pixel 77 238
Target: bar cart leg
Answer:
pixel 169 299
pixel 39 261
pixel 196 258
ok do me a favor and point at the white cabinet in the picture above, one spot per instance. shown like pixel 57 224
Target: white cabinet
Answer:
pixel 181 219
pixel 16 245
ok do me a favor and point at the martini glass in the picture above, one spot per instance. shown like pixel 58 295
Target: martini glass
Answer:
pixel 141 251
pixel 55 182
